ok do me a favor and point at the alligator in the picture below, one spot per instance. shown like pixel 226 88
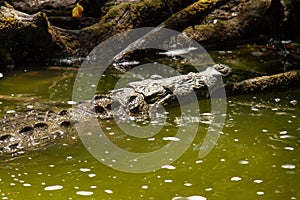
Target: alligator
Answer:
pixel 33 130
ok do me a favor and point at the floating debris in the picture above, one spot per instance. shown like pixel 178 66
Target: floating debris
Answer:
pixel 258 181
pixel 108 191
pixel 187 184
pixel 145 187
pixel 85 169
pixel 195 197
pixel 92 175
pixel 260 193
pixel 244 162
pixel 53 187
pixel 175 139
pixel 289 148
pixel 288 166
pixel 236 178
pixel 168 167
pixel 85 193
pixel 71 102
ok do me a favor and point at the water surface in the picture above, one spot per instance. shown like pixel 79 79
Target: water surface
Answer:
pixel 257 156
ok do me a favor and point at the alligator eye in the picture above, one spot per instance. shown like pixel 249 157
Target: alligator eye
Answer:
pixel 26 130
pixel 5 137
pixel 41 126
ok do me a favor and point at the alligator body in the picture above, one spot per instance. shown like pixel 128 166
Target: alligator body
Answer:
pixel 36 129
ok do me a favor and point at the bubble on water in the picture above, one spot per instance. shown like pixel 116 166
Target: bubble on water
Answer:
pixel 236 178
pixel 85 193
pixel 168 167
pixel 93 186
pixel 26 184
pixel 108 191
pixel 85 169
pixel 208 189
pixel 264 130
pixel 288 166
pixel 168 181
pixel 53 187
pixel 258 181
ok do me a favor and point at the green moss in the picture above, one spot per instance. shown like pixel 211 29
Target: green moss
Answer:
pixel 194 13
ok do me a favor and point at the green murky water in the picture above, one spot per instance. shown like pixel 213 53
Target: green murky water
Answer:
pixel 257 156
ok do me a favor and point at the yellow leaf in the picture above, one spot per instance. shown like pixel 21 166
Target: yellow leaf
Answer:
pixel 77 11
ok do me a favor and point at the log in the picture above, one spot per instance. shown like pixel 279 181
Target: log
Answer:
pixel 33 39
pixel 277 82
pixel 195 13
pixel 232 27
